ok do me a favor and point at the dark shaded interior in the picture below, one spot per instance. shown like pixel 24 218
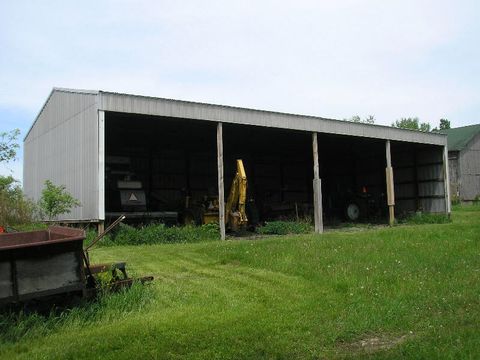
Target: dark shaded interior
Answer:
pixel 279 164
pixel 175 159
pixel 279 168
pixel 352 170
pixel 419 177
pixel 172 158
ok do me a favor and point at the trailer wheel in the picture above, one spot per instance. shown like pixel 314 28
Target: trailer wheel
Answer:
pixel 352 211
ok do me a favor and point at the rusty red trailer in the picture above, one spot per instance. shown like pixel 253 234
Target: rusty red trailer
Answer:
pixel 37 264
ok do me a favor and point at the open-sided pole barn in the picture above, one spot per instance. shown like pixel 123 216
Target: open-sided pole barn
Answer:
pixel 179 151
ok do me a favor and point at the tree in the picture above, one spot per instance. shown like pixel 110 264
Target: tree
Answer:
pixel 412 124
pixel 8 145
pixel 444 124
pixel 56 200
pixel 15 209
pixel 370 119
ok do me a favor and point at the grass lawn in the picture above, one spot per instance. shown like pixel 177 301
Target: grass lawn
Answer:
pixel 407 291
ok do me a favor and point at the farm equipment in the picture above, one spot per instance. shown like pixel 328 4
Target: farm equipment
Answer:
pixel 37 265
pixel 128 195
pixel 235 207
pixel 235 211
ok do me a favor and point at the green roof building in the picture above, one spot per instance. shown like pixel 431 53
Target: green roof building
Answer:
pixel 464 162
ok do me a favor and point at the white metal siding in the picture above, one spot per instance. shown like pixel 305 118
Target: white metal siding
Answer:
pixel 62 146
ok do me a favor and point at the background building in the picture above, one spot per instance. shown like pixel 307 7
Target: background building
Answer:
pixel 464 162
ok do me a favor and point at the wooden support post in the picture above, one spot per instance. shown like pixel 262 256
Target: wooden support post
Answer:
pixel 446 180
pixel 317 188
pixel 101 227
pixel 390 186
pixel 221 191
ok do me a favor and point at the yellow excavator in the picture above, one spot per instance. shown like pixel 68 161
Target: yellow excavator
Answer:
pixel 235 214
pixel 235 211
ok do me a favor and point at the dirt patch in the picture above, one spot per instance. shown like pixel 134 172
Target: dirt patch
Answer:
pixel 373 344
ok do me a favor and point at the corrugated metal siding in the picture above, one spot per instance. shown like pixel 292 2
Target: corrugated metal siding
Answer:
pixel 427 192
pixel 431 186
pixel 470 170
pixel 454 175
pixel 62 146
pixel 189 110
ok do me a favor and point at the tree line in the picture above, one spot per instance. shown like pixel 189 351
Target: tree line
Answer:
pixel 411 123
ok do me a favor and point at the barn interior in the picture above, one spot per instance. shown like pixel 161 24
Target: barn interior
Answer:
pixel 419 177
pixel 158 168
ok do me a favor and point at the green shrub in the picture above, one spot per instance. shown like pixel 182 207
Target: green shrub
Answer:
pixel 91 234
pixel 476 201
pixel 455 199
pixel 285 227
pixel 161 234
pixel 15 208
pixel 30 226
pixel 56 200
pixel 425 218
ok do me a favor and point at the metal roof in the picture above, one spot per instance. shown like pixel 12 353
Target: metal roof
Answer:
pixel 459 138
pixel 139 104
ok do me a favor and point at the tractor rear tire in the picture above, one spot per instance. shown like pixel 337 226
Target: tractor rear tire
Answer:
pixel 353 211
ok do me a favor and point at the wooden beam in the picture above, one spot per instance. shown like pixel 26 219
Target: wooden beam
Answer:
pixel 316 167
pixel 100 227
pixel 317 188
pixel 221 191
pixel 390 185
pixel 446 180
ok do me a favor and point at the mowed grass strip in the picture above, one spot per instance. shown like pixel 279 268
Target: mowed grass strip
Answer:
pixel 407 291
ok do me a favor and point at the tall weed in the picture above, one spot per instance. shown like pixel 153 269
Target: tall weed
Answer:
pixel 108 307
pixel 161 234
pixel 425 218
pixel 285 227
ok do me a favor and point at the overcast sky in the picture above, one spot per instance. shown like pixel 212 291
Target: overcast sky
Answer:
pixel 336 59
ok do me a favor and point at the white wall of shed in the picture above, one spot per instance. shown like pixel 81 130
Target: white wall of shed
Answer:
pixel 62 146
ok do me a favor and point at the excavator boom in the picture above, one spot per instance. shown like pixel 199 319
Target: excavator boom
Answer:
pixel 235 212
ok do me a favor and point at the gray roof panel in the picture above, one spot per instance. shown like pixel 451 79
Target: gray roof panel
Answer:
pixel 147 105
pixel 138 104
